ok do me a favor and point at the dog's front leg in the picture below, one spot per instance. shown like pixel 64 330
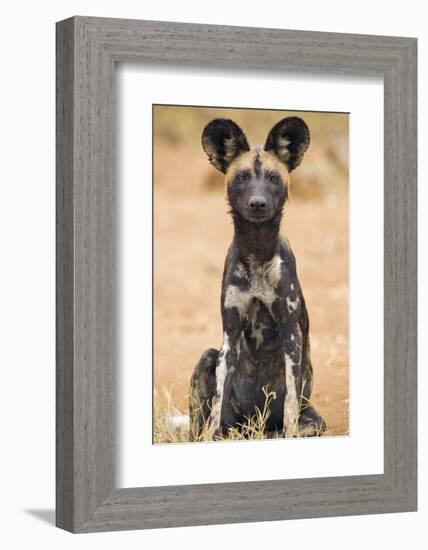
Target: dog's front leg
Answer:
pixel 225 368
pixel 292 346
pixel 220 375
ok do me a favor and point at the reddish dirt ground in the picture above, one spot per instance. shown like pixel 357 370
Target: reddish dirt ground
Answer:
pixel 192 234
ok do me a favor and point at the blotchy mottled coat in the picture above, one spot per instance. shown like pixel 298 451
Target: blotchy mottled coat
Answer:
pixel 265 321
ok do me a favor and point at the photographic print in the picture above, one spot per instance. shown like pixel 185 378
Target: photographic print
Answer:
pixel 250 274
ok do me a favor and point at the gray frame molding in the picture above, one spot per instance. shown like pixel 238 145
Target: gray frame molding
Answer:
pixel 87 50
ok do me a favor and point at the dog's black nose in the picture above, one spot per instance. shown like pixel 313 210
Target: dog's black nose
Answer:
pixel 257 202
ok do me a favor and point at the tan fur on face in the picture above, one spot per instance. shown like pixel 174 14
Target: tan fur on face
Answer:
pixel 269 163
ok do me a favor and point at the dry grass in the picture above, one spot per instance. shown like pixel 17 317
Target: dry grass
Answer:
pixel 172 424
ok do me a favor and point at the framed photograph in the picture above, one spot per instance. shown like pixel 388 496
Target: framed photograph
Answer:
pixel 236 274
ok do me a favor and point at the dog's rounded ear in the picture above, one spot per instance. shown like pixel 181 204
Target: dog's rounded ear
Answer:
pixel 289 140
pixel 223 141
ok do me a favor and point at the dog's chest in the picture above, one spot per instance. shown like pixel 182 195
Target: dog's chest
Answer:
pixel 259 359
pixel 253 281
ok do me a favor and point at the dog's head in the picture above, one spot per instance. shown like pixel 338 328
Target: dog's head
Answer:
pixel 257 179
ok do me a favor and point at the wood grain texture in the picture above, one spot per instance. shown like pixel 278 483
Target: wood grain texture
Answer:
pixel 87 49
pixel 64 277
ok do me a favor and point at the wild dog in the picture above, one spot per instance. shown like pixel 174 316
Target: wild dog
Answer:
pixel 265 321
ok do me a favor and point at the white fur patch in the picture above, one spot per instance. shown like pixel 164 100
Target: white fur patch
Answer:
pixel 235 297
pixel 257 326
pixel 272 270
pixel 263 281
pixel 291 403
pixel 240 271
pixel 282 147
pixel 221 369
pixel 231 149
pixel 238 348
pixel 220 375
pixel 257 334
pixel 292 305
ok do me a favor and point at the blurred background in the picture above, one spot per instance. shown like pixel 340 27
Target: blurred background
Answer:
pixel 192 232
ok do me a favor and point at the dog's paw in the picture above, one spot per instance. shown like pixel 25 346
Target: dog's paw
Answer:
pixel 290 433
pixel 311 424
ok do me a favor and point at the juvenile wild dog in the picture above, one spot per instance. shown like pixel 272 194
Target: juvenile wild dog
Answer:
pixel 265 322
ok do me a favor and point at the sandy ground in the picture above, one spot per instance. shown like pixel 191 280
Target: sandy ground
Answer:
pixel 192 234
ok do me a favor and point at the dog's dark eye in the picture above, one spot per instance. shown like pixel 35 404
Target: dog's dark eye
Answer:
pixel 242 178
pixel 275 179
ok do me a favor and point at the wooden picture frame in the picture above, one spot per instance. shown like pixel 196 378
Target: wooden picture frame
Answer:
pixel 87 50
